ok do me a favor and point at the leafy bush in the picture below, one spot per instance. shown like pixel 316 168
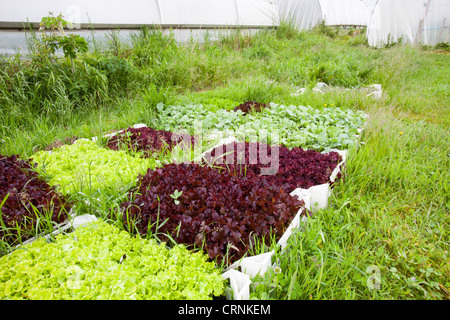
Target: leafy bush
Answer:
pixel 38 84
pixel 86 167
pixel 48 78
pixel 442 46
pixel 288 168
pixel 152 47
pixel 45 83
pixel 57 39
pixel 322 28
pixel 27 202
pixel 263 52
pixel 99 261
pixel 222 213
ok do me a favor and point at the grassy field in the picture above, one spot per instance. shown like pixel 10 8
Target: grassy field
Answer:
pixel 385 234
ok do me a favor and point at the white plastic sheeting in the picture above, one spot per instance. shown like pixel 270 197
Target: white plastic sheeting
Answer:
pixel 307 14
pixel 415 21
pixel 220 12
pixel 138 12
pixel 370 3
pixel 82 11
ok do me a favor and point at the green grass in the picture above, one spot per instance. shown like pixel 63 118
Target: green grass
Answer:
pixel 391 211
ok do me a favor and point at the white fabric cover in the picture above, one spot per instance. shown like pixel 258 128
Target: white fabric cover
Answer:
pixel 135 12
pixel 370 3
pixel 306 14
pixel 416 21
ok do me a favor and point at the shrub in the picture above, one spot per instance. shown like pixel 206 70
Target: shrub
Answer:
pixel 119 71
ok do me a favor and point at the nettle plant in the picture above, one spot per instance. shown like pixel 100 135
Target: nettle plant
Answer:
pixel 53 37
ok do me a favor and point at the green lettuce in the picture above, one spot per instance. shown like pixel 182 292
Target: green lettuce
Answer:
pixel 86 167
pixel 100 261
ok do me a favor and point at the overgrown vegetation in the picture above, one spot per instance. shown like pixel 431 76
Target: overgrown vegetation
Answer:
pixel 390 214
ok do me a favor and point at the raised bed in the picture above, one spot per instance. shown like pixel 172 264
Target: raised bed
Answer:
pixel 288 168
pixel 148 141
pixel 86 168
pixel 305 126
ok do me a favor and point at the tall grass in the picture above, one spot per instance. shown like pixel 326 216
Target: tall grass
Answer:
pixel 389 214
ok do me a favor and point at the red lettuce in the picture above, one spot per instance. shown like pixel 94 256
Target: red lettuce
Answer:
pixel 24 189
pixel 220 212
pixel 249 106
pixel 290 169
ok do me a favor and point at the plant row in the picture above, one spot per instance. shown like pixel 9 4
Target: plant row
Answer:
pixel 295 126
pixel 86 167
pixel 288 168
pixel 149 142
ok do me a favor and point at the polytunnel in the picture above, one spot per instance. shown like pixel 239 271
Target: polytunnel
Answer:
pixel 134 13
pixel 412 21
pixel 309 13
